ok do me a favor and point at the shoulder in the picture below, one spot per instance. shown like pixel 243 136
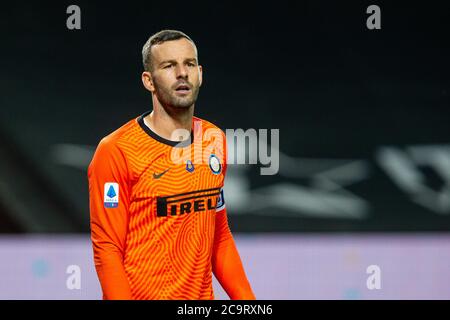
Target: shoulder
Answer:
pixel 125 134
pixel 114 137
pixel 215 139
pixel 209 127
pixel 109 147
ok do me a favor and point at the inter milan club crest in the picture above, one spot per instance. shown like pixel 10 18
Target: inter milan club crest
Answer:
pixel 189 166
pixel 214 164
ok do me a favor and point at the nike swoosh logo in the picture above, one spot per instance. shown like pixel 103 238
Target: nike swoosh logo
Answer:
pixel 159 175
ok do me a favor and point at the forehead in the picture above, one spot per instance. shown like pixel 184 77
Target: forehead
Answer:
pixel 174 50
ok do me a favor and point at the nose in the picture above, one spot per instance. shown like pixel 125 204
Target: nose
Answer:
pixel 182 71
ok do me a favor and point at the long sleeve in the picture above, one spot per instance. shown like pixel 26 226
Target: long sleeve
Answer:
pixel 109 203
pixel 227 265
pixel 226 262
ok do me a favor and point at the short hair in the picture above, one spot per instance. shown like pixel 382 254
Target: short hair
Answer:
pixel 157 38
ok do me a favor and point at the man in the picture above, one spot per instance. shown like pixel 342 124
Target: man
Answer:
pixel 158 219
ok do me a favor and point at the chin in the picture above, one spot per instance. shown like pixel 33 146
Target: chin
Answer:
pixel 185 104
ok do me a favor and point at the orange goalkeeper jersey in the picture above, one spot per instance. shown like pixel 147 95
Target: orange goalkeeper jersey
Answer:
pixel 157 211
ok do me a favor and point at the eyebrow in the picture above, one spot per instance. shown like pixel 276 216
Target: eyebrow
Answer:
pixel 174 61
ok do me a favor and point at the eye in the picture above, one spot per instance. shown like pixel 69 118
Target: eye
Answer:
pixel 167 66
pixel 190 64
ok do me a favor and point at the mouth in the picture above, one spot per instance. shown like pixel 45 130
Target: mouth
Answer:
pixel 183 89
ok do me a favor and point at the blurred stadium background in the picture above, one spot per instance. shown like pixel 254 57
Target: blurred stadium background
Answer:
pixel 364 139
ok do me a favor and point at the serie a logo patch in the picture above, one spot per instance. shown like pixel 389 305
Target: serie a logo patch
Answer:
pixel 111 195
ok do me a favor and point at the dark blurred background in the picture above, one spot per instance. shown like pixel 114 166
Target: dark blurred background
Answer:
pixel 363 114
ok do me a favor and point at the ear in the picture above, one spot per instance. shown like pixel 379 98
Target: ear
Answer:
pixel 200 74
pixel 147 81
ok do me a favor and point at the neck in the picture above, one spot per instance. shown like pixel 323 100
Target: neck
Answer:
pixel 164 121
